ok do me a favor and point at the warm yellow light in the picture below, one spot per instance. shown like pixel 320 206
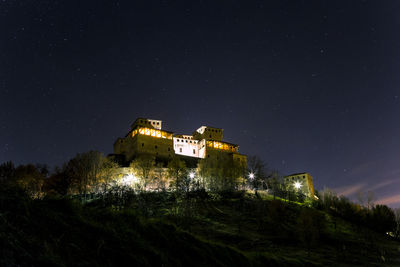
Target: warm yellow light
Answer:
pixel 151 132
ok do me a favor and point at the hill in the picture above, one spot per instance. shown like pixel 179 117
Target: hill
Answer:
pixel 199 229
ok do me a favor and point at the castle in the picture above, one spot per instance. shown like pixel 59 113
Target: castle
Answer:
pixel 146 136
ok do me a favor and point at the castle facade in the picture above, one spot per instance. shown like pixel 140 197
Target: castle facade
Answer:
pixel 146 136
pixel 302 182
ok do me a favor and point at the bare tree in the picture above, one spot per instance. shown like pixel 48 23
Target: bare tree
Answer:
pixel 370 199
pixel 107 174
pixel 361 197
pixel 161 177
pixel 143 166
pixel 30 179
pixel 221 174
pixel 257 167
pixel 84 170
pixel 177 171
pixel 397 218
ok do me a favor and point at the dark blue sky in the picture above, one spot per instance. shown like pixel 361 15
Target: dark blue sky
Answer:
pixel 307 85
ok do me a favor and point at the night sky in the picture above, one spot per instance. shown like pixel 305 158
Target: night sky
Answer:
pixel 306 85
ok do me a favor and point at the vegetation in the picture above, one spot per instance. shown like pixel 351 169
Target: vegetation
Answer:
pixel 82 215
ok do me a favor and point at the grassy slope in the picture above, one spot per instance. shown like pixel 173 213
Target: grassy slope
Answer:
pixel 266 238
pixel 230 232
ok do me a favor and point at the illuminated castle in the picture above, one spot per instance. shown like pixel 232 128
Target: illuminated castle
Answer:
pixel 147 137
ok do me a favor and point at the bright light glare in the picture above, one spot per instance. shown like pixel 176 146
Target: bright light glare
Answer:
pixel 251 176
pixel 297 185
pixel 129 179
pixel 191 175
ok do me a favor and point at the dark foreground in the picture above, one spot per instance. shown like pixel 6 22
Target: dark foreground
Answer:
pixel 165 229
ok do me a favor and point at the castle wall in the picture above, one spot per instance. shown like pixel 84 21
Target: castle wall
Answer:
pixel 159 147
pixel 186 147
pixel 306 181
pixel 208 133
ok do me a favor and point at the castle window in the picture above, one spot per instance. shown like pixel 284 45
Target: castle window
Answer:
pixel 158 123
pixel 208 156
pixel 194 151
pixel 142 144
pixel 190 141
pixel 186 141
pixel 155 147
pixel 180 149
pixel 210 135
pixel 169 149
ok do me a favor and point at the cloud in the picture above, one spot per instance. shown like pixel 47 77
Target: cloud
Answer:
pixel 394 199
pixel 349 190
pixel 383 184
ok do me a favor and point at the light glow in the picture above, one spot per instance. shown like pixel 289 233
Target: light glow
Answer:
pixel 129 179
pixel 191 175
pixel 297 185
pixel 251 176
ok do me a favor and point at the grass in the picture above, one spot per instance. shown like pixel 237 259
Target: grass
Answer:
pixel 155 229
